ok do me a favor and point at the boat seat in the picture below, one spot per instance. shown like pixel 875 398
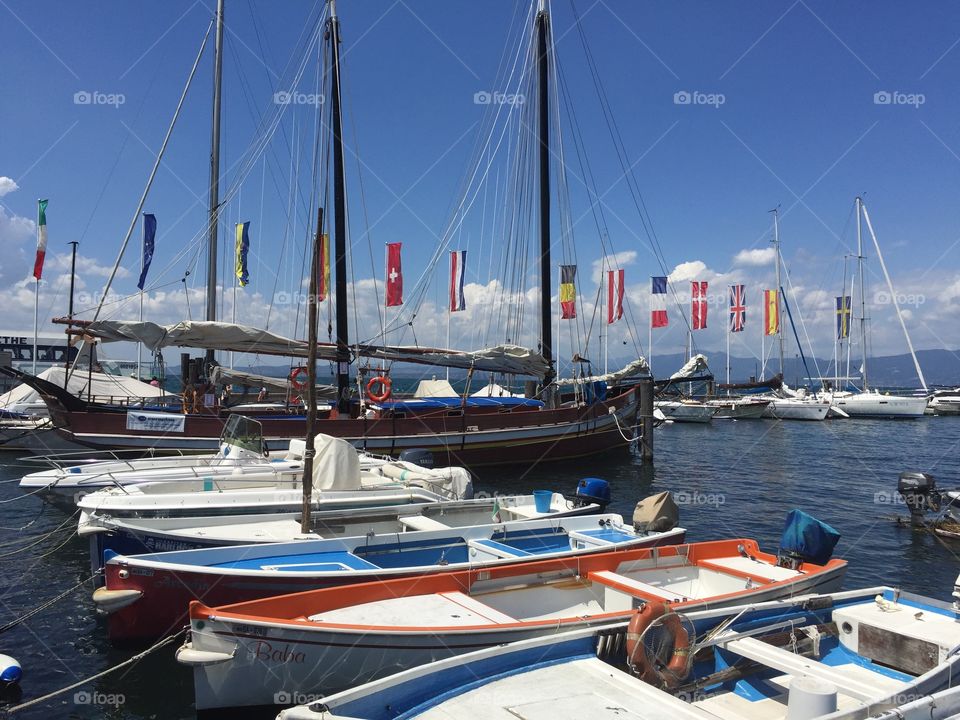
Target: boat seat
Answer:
pixel 499 549
pixel 477 607
pixel 745 567
pixel 419 522
pixel 631 586
pixel 797 665
pixel 591 538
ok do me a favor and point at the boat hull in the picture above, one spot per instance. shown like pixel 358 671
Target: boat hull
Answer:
pixel 786 410
pixel 686 412
pixel 473 439
pixel 875 405
pixel 165 593
pixel 739 410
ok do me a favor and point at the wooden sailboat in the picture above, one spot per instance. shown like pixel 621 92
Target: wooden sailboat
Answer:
pixel 469 431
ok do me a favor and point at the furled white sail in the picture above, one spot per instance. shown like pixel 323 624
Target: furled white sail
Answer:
pixel 697 365
pixel 636 369
pixel 510 359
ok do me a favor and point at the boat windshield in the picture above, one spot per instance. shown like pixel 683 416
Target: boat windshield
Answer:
pixel 243 432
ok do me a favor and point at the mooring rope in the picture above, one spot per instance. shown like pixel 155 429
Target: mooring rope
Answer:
pixel 41 538
pixel 130 661
pixel 44 606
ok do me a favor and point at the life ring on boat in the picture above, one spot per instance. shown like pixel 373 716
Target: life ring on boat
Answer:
pixel 678 666
pixel 386 388
pixel 295 380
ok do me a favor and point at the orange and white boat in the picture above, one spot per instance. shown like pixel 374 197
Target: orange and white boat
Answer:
pixel 322 641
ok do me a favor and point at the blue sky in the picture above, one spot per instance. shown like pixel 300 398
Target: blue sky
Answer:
pixel 798 125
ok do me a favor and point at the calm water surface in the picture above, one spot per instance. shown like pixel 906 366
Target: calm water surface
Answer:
pixel 736 479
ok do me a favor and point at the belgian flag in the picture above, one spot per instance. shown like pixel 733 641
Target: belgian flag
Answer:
pixel 568 292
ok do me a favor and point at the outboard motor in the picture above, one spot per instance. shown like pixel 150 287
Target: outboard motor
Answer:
pixel 805 539
pixel 657 513
pixel 592 490
pixel 919 492
pixel 418 456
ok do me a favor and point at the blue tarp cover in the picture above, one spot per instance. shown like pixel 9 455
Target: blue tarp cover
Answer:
pixel 809 538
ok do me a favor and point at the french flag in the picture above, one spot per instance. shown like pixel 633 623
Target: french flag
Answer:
pixel 658 302
pixel 458 263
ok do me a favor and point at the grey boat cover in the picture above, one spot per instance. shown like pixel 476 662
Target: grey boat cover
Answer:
pixel 657 513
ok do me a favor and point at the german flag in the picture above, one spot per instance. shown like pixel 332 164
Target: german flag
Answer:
pixel 568 292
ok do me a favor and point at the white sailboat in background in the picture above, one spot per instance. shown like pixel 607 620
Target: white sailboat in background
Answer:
pixel 787 404
pixel 870 402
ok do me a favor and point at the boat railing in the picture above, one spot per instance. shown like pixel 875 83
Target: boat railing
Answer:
pixel 61 461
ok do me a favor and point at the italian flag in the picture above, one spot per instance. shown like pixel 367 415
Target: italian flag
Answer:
pixel 41 238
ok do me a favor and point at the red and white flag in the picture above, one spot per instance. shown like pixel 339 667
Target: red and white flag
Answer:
pixel 394 275
pixel 614 295
pixel 698 304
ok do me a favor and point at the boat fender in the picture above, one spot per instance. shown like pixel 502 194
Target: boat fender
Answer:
pixel 383 382
pixel 643 666
pixel 10 671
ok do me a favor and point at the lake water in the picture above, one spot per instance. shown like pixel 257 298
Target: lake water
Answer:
pixel 734 479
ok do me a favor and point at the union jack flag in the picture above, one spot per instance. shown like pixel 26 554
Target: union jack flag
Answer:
pixel 738 308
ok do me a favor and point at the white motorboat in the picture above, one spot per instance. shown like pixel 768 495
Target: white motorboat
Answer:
pixel 734 408
pixel 687 411
pixel 944 402
pixel 870 653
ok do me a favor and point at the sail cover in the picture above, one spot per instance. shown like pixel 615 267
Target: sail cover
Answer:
pixel 510 359
pixel 695 366
pixel 222 375
pixel 636 369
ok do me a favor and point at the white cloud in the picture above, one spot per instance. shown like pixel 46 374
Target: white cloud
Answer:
pixel 15 229
pixel 755 257
pixel 611 262
pixel 692 270
pixel 7 185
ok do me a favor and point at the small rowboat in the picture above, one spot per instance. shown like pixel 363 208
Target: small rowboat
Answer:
pixel 875 653
pixel 146 596
pixel 326 640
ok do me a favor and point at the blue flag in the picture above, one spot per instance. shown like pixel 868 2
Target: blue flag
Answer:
pixel 149 233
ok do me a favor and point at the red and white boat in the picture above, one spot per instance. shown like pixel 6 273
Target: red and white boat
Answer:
pixel 326 640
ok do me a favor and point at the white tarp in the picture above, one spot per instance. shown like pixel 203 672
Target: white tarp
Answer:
pixel 102 386
pixel 511 359
pixel 336 466
pixel 637 368
pixel 494 390
pixel 695 366
pixel 434 389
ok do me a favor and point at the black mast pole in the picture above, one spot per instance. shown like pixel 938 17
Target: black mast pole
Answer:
pixel 546 331
pixel 73 277
pixel 309 451
pixel 339 219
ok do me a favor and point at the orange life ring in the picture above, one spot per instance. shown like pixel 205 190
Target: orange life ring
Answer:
pixel 384 382
pixel 678 666
pixel 295 378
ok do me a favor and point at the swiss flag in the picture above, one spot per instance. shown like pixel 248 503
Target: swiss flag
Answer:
pixel 394 275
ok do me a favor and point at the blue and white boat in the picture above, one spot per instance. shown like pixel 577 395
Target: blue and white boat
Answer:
pixel 147 595
pixel 875 652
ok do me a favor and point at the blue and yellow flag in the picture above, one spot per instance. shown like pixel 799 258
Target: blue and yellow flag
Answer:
pixel 243 245
pixel 843 317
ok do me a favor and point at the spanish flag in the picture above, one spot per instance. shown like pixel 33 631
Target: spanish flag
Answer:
pixel 243 245
pixel 323 281
pixel 568 292
pixel 771 313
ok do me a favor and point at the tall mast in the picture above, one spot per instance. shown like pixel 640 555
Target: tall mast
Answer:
pixel 776 247
pixel 543 133
pixel 214 202
pixel 339 218
pixel 863 297
pixel 309 450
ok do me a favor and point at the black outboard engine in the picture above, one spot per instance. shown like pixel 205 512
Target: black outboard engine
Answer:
pixel 418 456
pixel 919 492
